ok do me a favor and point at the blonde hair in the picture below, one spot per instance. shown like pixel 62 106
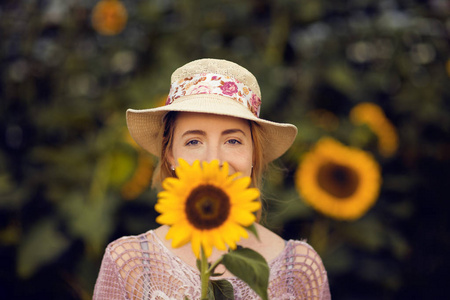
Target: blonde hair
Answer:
pixel 163 168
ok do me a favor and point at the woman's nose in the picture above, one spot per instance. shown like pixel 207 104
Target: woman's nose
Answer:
pixel 213 153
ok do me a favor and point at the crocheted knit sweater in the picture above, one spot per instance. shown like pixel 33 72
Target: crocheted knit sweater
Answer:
pixel 142 268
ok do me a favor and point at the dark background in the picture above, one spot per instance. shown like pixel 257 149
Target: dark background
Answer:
pixel 71 181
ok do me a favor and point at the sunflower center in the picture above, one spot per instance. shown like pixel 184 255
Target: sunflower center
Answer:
pixel 207 207
pixel 340 181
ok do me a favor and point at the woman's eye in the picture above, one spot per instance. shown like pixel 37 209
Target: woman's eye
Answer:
pixel 233 141
pixel 192 143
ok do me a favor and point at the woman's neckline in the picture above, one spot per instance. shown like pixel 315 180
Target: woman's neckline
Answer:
pixel 195 270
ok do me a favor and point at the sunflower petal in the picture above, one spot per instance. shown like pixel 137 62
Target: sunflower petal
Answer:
pixel 241 183
pixel 247 196
pixel 179 234
pixel 224 171
pixel 169 218
pixel 228 236
pixel 206 244
pixel 243 217
pixel 196 242
pixel 250 206
pixel 170 183
pixel 217 240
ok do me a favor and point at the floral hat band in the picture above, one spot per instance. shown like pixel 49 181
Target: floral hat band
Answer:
pixel 211 83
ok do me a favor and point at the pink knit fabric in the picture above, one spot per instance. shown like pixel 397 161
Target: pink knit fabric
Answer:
pixel 142 268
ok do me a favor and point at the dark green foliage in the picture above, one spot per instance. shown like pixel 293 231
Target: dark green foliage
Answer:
pixel 65 158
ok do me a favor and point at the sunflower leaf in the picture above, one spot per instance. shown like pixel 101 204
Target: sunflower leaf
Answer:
pixel 217 274
pixel 211 291
pixel 252 229
pixel 250 267
pixel 220 290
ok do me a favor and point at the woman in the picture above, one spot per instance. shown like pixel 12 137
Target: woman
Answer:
pixel 212 113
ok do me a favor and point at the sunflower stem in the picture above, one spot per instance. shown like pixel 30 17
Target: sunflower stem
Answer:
pixel 204 275
pixel 214 265
pixel 319 235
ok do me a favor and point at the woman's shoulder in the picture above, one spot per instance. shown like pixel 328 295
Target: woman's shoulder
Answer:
pixel 303 256
pixel 301 247
pixel 130 245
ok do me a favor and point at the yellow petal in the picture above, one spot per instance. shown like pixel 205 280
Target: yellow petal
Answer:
pixel 224 171
pixel 170 183
pixel 180 234
pixel 241 183
pixel 242 232
pixel 249 206
pixel 169 218
pixel 217 239
pixel 245 196
pixel 195 243
pixel 228 182
pixel 210 170
pixel 163 207
pixel 228 236
pixel 206 245
pixel 242 217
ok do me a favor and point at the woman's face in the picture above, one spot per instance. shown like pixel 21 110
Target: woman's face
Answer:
pixel 206 137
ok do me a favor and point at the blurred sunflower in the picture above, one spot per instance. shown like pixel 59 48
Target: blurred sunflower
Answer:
pixel 141 178
pixel 338 181
pixel 133 176
pixel 206 206
pixel 109 17
pixel 373 116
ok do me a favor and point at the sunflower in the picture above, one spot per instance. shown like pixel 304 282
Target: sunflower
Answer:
pixel 206 206
pixel 140 179
pixel 109 17
pixel 338 181
pixel 372 115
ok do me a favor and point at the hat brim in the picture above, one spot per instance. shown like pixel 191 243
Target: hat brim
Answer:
pixel 146 125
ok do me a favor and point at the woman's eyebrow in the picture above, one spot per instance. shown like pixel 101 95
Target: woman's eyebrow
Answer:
pixel 195 132
pixel 230 131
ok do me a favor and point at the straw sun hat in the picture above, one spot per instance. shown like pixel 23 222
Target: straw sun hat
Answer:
pixel 216 87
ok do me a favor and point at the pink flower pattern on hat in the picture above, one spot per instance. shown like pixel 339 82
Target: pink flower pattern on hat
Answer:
pixel 215 84
pixel 229 88
pixel 199 89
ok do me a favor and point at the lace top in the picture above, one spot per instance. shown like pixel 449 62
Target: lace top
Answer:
pixel 142 268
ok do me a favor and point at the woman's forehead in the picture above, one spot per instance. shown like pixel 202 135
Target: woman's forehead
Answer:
pixel 203 120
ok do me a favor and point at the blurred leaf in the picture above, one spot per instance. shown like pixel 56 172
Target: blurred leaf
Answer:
pixel 11 197
pixel 311 11
pixel 90 220
pixel 362 137
pixel 338 260
pixel 342 78
pixel 400 246
pixel 401 210
pixel 41 246
pixel 10 235
pixel 123 165
pixel 367 233
pixel 253 230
